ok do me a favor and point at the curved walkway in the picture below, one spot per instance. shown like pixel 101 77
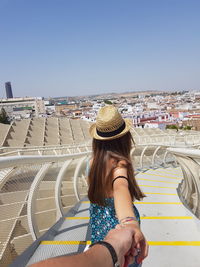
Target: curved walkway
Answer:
pixel 173 233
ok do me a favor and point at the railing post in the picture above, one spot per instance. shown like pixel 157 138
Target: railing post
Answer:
pixel 75 179
pixel 154 155
pixel 61 174
pixel 31 204
pixel 141 157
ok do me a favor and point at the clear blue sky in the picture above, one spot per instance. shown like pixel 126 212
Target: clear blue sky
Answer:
pixel 79 47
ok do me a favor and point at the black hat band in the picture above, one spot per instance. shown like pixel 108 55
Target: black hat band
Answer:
pixel 113 133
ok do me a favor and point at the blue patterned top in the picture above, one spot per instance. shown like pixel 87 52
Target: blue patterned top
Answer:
pixel 103 219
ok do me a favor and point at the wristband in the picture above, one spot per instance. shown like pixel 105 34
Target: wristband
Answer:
pixel 127 220
pixel 111 250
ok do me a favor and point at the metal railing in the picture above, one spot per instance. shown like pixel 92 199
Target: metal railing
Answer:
pixel 36 190
pixel 189 189
pixel 183 139
pixel 41 150
pixel 176 139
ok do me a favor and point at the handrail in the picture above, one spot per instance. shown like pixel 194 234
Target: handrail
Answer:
pixel 44 147
pixel 87 147
pixel 6 162
pixel 41 178
pixel 15 150
pixel 189 189
pixel 33 175
pixel 150 137
pixel 185 152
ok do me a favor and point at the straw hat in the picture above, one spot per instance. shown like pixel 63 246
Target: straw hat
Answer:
pixel 109 124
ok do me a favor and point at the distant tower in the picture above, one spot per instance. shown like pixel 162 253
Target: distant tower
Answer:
pixel 8 87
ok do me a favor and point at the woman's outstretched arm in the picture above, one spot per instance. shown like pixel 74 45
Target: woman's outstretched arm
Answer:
pixel 122 197
pixel 124 208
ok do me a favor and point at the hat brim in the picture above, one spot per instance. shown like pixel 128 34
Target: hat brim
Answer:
pixel 94 134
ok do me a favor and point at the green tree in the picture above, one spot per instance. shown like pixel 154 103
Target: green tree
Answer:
pixel 3 116
pixel 108 102
pixel 172 126
pixel 187 127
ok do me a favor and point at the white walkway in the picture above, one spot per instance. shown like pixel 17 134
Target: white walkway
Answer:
pixel 172 231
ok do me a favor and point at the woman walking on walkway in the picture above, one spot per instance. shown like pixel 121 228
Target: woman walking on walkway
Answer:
pixel 112 185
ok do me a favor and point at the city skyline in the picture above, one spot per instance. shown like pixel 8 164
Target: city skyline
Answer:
pixel 65 48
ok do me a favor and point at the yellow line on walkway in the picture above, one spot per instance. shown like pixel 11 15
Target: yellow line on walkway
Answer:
pixel 167 170
pixel 167 217
pixel 167 194
pixel 144 179
pixel 60 242
pixel 77 218
pixel 172 169
pixel 141 202
pixel 153 193
pixel 151 243
pixel 172 174
pixel 157 186
pixel 142 218
pixel 168 177
pixel 168 203
pixel 174 243
pixel 165 176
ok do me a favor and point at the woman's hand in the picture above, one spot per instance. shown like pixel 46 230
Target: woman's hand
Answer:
pixel 140 243
pixel 140 246
pixel 122 241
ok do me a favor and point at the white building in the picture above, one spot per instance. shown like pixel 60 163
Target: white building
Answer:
pixel 153 105
pixel 156 124
pixel 23 107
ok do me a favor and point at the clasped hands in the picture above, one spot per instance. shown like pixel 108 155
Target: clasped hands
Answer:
pixel 128 242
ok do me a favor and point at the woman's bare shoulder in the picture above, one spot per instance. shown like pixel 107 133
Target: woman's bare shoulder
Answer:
pixel 120 170
pixel 122 164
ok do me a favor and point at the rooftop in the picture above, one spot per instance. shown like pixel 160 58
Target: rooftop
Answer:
pixel 40 182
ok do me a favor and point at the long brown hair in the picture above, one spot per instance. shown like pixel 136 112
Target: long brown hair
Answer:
pixel 100 183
